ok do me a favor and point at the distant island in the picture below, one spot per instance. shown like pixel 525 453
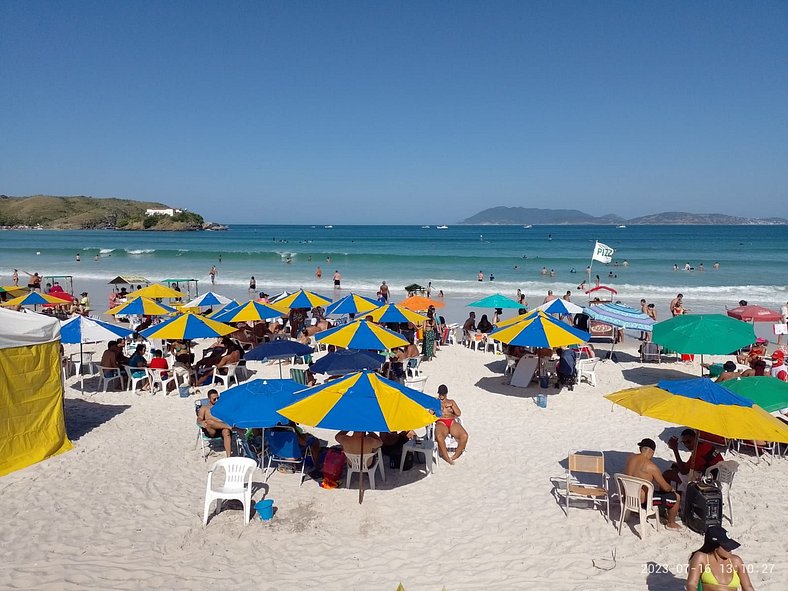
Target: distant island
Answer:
pixel 536 216
pixel 92 213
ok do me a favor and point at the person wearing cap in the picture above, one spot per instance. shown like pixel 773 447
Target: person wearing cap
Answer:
pixel 447 425
pixel 640 465
pixel 84 303
pixel 714 566
pixel 779 369
pixel 704 456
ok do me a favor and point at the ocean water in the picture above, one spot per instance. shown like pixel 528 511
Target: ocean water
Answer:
pixel 753 259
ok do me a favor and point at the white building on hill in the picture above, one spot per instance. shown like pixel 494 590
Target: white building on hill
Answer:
pixel 170 211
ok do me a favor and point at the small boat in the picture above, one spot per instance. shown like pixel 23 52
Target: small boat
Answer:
pixel 426 227
pixel 443 227
pixel 528 227
pixel 328 227
pixel 622 226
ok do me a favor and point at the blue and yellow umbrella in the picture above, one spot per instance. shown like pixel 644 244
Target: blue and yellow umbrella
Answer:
pixel 540 330
pixel 142 307
pixel 250 311
pixel 362 335
pixel 188 327
pixel 156 291
pixel 303 299
pixel 395 313
pixel 351 304
pixel 35 298
pixel 702 404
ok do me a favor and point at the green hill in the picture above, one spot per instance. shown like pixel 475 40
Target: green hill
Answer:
pixel 75 213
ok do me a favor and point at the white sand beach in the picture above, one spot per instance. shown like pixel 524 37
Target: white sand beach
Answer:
pixel 123 510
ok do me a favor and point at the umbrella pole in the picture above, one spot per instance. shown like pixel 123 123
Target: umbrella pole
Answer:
pixel 361 473
pixel 81 373
pixel 280 369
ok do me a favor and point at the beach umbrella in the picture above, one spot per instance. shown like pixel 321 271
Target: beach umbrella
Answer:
pixel 620 316
pixel 709 334
pixel 208 300
pixel 156 291
pixel 363 401
pixel 559 306
pixel 303 299
pixel 495 301
pixel 702 404
pixel 186 327
pixel 232 304
pixel 351 304
pixel 250 311
pixel 420 303
pixel 278 297
pixel 13 290
pixel 767 392
pixel 754 314
pixel 142 307
pixel 540 330
pixel 516 319
pixel 82 329
pixel 35 298
pixel 362 335
pixel 254 404
pixel 344 361
pixel 395 313
pixel 279 349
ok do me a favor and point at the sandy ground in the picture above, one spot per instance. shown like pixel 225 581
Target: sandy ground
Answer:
pixel 123 509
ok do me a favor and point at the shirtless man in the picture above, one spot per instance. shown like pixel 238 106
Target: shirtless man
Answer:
pixel 352 444
pixel 470 324
pixel 384 291
pixel 212 426
pixel 677 305
pixel 728 372
pixel 549 297
pixel 447 425
pixel 640 466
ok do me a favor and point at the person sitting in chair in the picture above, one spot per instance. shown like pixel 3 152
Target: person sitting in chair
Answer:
pixel 728 372
pixel 213 427
pixel 640 465
pixel 703 456
pixel 359 442
pixel 447 425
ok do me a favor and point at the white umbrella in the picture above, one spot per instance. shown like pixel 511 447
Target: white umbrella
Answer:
pixel 82 329
pixel 208 300
pixel 560 306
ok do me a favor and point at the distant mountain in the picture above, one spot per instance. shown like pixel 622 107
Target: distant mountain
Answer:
pixel 532 215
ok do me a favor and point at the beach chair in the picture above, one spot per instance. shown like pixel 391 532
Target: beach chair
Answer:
pixel 585 463
pixel 246 449
pixel 494 346
pixel 476 340
pixel 586 370
pixel 451 442
pixel 412 367
pixel 424 446
pixel 134 381
pixel 108 375
pixel 726 470
pixel 161 379
pixel 760 449
pixel 84 361
pixel 629 489
pixel 298 376
pixel 418 383
pixel 282 447
pixel 354 465
pixel 237 485
pixel 650 352
pixel 226 379
pixel 207 444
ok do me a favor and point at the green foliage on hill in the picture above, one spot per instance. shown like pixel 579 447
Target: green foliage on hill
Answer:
pixel 91 213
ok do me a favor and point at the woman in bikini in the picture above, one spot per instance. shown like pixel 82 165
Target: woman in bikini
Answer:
pixel 714 567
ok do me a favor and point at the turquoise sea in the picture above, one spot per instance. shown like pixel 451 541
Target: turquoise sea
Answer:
pixel 753 259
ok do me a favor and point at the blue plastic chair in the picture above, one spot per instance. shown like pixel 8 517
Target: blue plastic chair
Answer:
pixel 282 447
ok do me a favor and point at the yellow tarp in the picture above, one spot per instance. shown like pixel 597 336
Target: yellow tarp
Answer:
pixel 32 425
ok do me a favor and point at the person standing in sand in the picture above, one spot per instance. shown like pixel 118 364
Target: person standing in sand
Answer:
pixel 640 465
pixel 212 274
pixel 677 305
pixel 15 277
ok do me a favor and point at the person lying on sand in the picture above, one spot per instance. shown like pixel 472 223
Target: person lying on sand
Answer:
pixel 641 466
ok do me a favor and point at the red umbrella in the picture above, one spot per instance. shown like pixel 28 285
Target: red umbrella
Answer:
pixel 61 295
pixel 754 314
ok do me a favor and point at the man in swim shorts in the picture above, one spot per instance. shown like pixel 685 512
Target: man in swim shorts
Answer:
pixel 447 425
pixel 641 466
pixel 213 427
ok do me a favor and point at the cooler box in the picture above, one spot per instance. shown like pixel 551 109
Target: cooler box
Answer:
pixel 702 506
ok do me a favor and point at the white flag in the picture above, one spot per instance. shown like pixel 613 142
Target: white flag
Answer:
pixel 602 253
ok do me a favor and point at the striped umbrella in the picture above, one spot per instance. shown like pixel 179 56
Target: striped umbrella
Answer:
pixel 156 291
pixel 559 306
pixel 540 330
pixel 208 300
pixel 351 304
pixel 35 298
pixel 142 307
pixel 303 299
pixel 362 335
pixel 620 316
pixel 250 311
pixel 188 327
pixel 395 313
pixel 82 329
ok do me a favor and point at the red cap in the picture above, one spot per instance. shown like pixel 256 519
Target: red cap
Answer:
pixel 778 354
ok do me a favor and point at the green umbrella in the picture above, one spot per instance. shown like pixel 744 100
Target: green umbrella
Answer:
pixel 767 392
pixel 495 301
pixel 703 334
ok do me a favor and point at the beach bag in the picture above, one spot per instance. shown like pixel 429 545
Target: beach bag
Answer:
pixel 333 466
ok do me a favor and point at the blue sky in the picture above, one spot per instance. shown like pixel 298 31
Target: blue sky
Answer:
pixel 398 112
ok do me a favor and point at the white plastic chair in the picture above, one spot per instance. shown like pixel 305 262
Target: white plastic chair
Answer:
pixel 354 466
pixel 476 340
pixel 108 375
pixel 84 361
pixel 586 370
pixel 451 442
pixel 237 485
pixel 226 379
pixel 133 381
pixel 726 471
pixel 416 383
pixel 425 447
pixel 494 345
pixel 412 367
pixel 629 489
pixel 159 382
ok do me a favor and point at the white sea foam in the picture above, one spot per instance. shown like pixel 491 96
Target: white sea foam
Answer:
pixel 106 250
pixel 137 251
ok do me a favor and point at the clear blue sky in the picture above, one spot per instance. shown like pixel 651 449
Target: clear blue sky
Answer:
pixel 398 112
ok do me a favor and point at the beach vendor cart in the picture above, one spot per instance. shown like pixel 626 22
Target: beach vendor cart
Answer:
pixel 66 282
pixel 189 287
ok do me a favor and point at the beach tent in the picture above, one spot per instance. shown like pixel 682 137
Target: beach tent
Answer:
pixel 32 426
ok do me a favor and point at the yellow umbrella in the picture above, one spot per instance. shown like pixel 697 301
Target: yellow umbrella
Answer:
pixel 516 319
pixel 540 330
pixel 142 307
pixel 13 290
pixel 156 291
pixel 362 335
pixel 35 298
pixel 394 313
pixel 303 299
pixel 701 404
pixel 188 327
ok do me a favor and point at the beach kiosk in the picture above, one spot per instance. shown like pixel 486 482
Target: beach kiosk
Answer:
pixel 32 425
pixel 129 282
pixel 601 331
pixel 186 286
pixel 65 281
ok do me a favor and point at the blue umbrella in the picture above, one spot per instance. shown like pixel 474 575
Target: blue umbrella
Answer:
pixel 81 329
pixel 255 403
pixel 621 316
pixel 351 304
pixel 281 349
pixel 347 361
pixel 496 301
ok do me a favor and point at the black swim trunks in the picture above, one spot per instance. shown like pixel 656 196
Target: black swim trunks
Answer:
pixel 663 498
